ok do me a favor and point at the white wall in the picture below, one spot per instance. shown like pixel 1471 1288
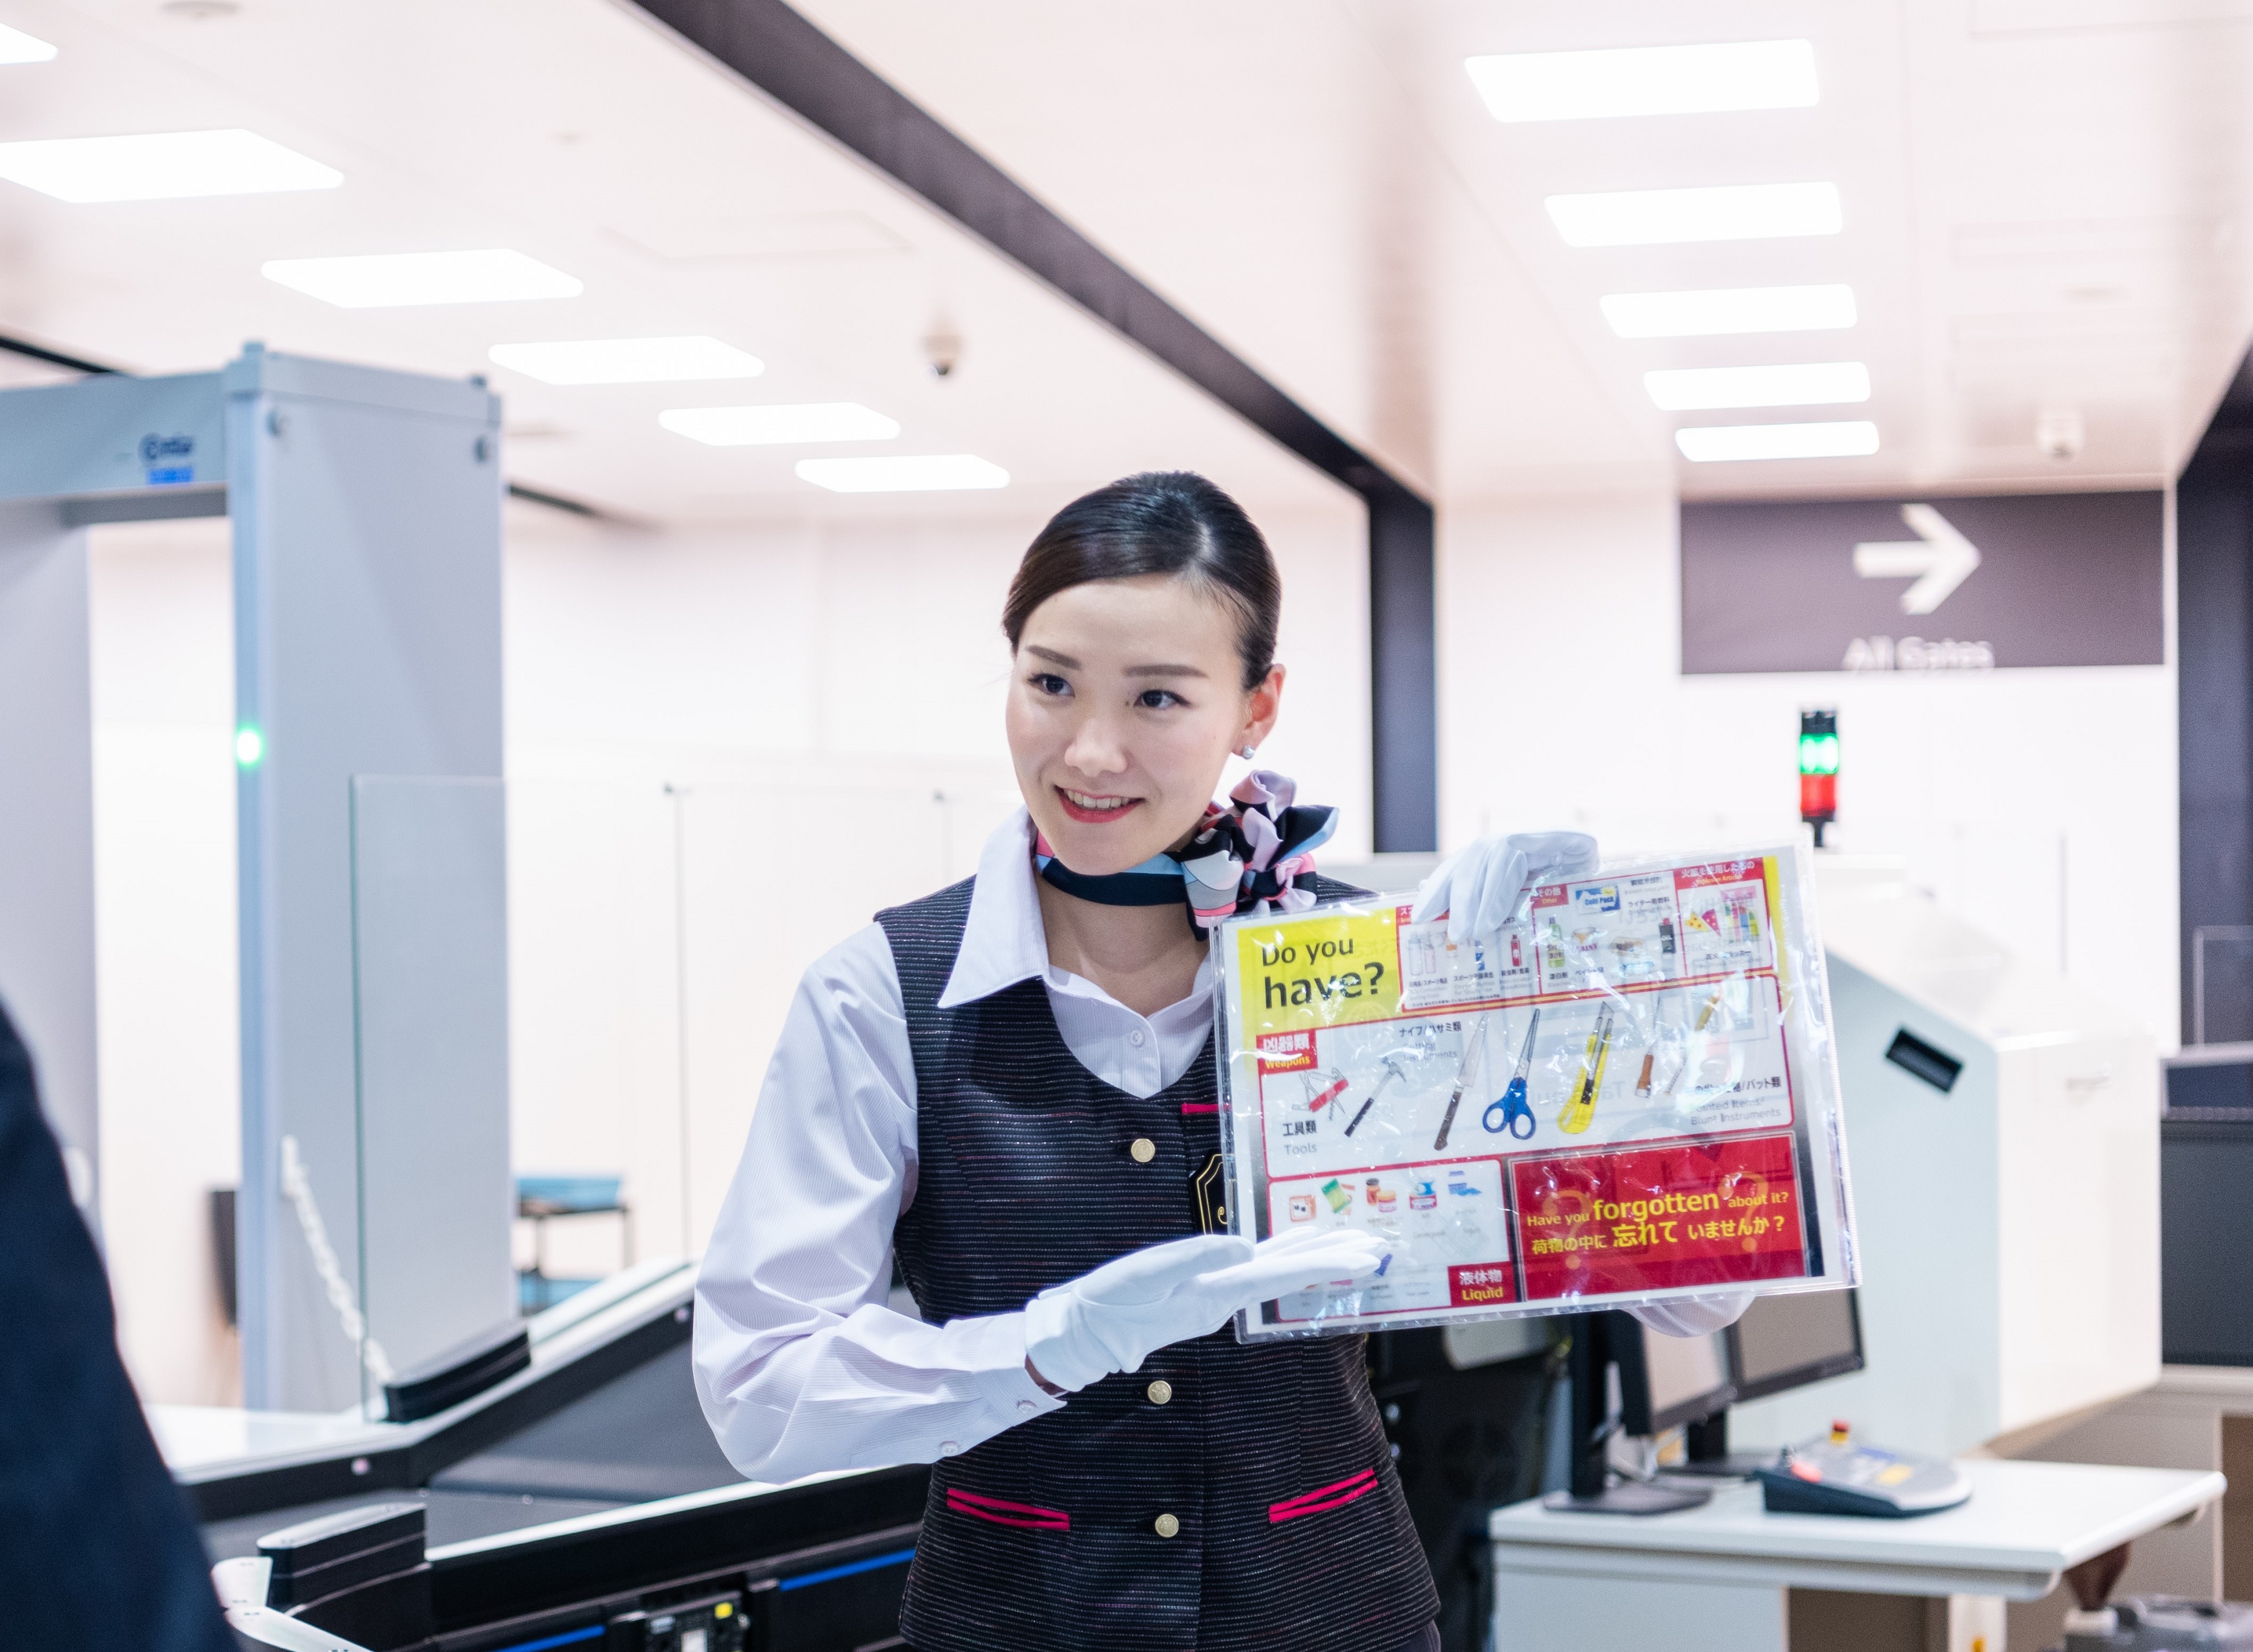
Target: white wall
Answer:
pixel 824 702
pixel 824 699
pixel 771 729
pixel 830 647
pixel 2037 804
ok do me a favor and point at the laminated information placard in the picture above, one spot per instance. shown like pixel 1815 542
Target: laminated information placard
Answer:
pixel 1629 1094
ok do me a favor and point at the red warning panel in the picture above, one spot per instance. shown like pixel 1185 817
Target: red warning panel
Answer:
pixel 1715 1213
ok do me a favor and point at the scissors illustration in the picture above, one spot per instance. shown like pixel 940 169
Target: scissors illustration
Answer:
pixel 1513 1110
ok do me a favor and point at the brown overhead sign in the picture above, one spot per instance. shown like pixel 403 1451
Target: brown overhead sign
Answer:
pixel 1924 583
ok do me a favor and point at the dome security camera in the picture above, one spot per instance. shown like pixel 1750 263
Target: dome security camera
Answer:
pixel 2060 432
pixel 942 347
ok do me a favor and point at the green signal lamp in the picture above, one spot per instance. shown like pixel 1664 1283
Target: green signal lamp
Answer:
pixel 1819 769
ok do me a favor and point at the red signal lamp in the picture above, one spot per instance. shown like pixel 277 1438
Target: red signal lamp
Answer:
pixel 1819 769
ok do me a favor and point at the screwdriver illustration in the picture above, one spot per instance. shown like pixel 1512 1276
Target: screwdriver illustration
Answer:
pixel 1704 1015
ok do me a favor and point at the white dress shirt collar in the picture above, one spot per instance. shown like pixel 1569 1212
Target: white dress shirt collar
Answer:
pixel 1003 941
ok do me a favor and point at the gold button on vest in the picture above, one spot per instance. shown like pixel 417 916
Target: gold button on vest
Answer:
pixel 1160 1392
pixel 1167 1525
pixel 1144 1150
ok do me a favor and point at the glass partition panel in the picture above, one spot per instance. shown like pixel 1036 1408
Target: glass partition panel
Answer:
pixel 595 1030
pixel 431 987
pixel 774 875
pixel 568 993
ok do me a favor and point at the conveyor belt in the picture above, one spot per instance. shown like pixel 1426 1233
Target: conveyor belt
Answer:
pixel 588 1491
pixel 639 1437
pixel 636 1439
pixel 585 1497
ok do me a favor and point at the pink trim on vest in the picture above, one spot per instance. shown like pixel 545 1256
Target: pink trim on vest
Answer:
pixel 1322 1497
pixel 1005 1514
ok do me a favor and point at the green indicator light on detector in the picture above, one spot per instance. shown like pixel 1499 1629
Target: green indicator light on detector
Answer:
pixel 249 747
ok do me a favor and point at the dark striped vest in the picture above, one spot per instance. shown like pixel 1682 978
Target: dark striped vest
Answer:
pixel 1287 1525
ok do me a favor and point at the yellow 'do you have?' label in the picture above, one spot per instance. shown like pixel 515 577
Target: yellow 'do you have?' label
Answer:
pixel 1321 971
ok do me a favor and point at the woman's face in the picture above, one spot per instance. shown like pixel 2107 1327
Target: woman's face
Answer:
pixel 1127 697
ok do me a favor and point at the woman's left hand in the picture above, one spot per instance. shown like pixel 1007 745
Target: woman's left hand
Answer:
pixel 1478 888
pixel 1693 1315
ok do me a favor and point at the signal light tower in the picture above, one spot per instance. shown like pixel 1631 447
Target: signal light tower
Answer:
pixel 1819 769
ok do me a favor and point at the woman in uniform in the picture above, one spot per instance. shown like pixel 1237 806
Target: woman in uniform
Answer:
pixel 1009 1086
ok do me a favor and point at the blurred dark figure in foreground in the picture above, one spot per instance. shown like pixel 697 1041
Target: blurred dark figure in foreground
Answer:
pixel 100 1552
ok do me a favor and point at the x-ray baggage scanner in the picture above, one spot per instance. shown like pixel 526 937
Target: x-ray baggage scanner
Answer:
pixel 580 1500
pixel 2003 1126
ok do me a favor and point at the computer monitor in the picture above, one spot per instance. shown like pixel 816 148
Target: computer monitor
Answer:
pixel 1781 1342
pixel 1788 1341
pixel 1652 1384
pixel 1667 1381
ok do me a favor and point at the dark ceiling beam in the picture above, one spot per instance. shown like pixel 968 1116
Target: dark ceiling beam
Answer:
pixel 787 58
pixel 24 347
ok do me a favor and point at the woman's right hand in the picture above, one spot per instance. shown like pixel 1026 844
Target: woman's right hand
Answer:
pixel 1115 1318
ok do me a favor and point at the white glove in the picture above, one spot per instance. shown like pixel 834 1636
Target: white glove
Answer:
pixel 1113 1318
pixel 1693 1315
pixel 1479 888
pixel 241 1584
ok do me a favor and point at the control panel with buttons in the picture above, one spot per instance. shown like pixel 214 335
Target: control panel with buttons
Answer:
pixel 714 1624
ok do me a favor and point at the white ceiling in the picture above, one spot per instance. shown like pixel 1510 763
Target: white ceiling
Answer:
pixel 577 132
pixel 2035 216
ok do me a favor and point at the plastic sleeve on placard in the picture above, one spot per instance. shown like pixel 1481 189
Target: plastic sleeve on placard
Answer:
pixel 1629 1093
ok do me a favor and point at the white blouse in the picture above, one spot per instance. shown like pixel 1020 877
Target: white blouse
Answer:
pixel 801 1366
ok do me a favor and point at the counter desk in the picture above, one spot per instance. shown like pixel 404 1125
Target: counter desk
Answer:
pixel 1717 1578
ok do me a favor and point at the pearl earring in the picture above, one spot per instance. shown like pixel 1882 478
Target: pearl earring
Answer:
pixel 1247 751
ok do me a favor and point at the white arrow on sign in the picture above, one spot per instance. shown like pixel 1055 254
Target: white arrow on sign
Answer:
pixel 1939 561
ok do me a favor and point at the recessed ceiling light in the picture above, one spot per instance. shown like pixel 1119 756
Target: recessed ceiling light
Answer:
pixel 773 426
pixel 380 281
pixel 16 46
pixel 1651 80
pixel 629 360
pixel 1804 384
pixel 1727 211
pixel 1691 315
pixel 927 473
pixel 1840 439
pixel 154 166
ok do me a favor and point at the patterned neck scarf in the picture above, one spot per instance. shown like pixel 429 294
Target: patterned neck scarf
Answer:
pixel 1252 851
